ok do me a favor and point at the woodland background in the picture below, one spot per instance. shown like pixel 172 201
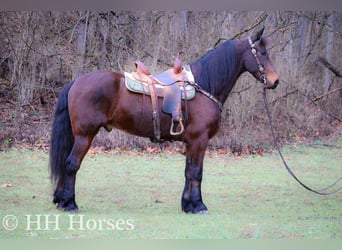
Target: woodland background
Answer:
pixel 41 51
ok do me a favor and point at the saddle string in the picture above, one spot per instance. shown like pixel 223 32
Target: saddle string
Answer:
pixel 321 191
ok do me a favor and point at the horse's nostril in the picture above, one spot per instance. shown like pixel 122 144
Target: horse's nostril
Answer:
pixel 276 83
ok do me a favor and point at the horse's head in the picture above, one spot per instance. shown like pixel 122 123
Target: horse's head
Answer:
pixel 257 62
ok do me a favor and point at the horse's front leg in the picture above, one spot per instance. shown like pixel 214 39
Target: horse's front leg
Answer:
pixel 192 196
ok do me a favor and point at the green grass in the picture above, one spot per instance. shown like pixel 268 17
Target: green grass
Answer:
pixel 247 197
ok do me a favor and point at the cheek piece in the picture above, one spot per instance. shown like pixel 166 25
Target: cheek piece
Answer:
pixel 261 68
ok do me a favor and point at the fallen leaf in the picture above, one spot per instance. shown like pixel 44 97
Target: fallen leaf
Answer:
pixel 5 185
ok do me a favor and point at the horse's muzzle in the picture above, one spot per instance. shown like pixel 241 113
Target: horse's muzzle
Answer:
pixel 272 86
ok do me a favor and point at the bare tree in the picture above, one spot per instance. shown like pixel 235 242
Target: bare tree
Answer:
pixel 42 50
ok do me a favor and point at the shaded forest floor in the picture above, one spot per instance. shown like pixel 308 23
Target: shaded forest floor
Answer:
pixel 26 125
pixel 29 126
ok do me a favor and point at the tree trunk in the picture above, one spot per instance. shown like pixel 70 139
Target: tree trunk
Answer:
pixel 328 55
pixel 82 31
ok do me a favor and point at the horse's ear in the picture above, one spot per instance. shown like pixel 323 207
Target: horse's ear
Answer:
pixel 258 35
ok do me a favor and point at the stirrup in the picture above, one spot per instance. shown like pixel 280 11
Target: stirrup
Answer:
pixel 177 132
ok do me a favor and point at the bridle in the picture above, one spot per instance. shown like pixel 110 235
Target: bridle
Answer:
pixel 263 80
pixel 261 68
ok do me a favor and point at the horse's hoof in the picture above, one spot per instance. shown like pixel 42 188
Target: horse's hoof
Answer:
pixel 59 206
pixel 203 212
pixel 71 210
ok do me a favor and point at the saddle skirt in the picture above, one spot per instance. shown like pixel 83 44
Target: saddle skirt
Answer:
pixel 132 84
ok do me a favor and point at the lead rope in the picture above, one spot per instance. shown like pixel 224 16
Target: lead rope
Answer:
pixel 321 191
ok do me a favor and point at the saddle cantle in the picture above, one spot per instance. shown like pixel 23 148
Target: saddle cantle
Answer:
pixel 166 78
pixel 170 85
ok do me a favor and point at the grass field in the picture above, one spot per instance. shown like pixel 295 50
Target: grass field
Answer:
pixel 136 195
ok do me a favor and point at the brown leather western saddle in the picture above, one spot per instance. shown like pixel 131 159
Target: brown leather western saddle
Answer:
pixel 173 80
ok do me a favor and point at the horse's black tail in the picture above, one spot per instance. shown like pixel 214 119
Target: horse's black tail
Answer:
pixel 61 138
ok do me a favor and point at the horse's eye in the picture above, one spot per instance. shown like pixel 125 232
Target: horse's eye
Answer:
pixel 263 52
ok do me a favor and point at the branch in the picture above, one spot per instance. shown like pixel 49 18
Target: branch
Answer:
pixel 259 20
pixel 329 66
pixel 241 90
pixel 323 23
pixel 325 111
pixel 328 93
pixel 285 96
pixel 311 101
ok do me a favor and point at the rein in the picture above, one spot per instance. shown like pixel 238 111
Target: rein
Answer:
pixel 321 191
pixel 263 80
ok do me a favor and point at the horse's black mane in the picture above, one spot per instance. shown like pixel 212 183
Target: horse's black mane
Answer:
pixel 218 68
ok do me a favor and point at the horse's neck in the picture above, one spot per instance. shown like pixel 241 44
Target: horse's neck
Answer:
pixel 224 85
pixel 228 86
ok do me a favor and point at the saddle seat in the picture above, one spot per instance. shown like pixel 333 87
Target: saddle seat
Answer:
pixel 172 80
pixel 141 87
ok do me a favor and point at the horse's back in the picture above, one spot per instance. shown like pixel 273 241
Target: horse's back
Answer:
pixel 94 81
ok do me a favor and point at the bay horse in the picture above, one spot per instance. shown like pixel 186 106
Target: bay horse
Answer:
pixel 101 99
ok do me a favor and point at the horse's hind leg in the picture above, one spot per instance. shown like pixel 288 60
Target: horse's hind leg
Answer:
pixel 79 150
